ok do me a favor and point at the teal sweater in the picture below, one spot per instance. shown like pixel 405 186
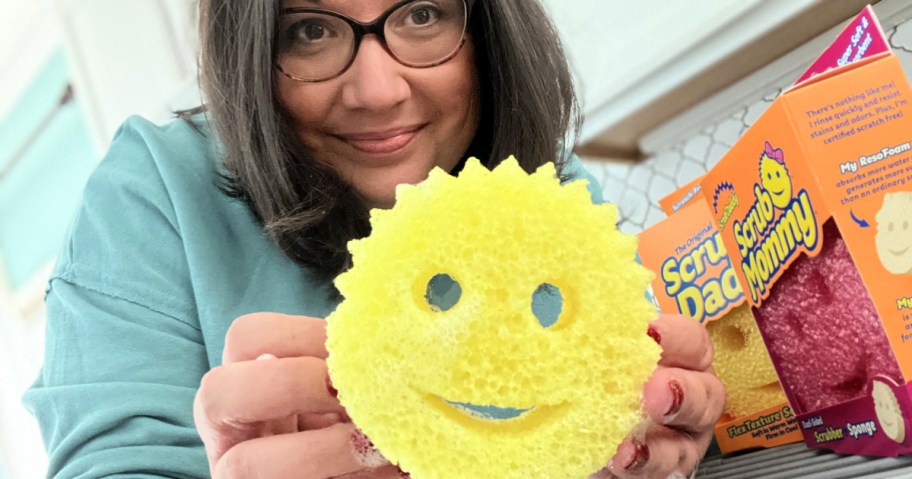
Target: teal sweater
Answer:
pixel 157 265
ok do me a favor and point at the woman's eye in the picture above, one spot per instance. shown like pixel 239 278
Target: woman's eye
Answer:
pixel 423 15
pixel 308 31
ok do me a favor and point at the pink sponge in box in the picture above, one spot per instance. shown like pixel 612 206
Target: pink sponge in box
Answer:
pixel 822 329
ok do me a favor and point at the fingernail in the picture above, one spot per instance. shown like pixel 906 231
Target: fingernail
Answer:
pixel 329 386
pixel 677 399
pixel 654 334
pixel 638 457
pixel 365 452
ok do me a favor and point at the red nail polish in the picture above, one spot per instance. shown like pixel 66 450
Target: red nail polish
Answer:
pixel 677 397
pixel 329 386
pixel 654 334
pixel 639 458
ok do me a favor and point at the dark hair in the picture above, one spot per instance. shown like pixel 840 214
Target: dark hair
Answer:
pixel 528 110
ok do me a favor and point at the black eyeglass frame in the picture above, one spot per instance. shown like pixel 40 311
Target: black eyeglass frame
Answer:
pixel 375 27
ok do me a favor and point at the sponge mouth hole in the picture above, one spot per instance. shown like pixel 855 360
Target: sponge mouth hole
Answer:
pixel 442 293
pixel 547 304
pixel 489 412
pixel 730 337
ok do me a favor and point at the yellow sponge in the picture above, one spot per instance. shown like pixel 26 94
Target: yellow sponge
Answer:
pixel 484 383
pixel 743 363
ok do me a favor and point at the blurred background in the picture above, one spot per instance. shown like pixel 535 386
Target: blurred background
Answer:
pixel 666 88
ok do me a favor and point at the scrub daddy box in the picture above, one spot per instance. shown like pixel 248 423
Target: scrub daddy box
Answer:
pixel 814 206
pixel 694 277
pixel 684 196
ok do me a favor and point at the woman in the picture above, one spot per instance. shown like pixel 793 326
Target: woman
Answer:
pixel 311 119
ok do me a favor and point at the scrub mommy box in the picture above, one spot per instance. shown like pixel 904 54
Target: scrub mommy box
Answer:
pixel 814 205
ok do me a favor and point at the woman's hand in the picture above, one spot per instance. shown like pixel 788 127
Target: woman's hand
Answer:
pixel 682 400
pixel 270 410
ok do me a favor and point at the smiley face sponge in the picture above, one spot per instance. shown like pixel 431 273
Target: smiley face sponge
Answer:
pixel 743 363
pixel 487 384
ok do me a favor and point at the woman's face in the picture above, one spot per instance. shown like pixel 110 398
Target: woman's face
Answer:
pixel 382 123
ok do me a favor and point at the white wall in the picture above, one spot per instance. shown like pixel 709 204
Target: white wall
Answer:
pixel 21 347
pixel 127 57
pixel 29 33
pixel 625 54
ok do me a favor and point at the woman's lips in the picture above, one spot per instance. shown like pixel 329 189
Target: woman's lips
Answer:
pixel 381 143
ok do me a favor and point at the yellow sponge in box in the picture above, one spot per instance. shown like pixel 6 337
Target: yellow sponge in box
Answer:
pixel 530 364
pixel 743 363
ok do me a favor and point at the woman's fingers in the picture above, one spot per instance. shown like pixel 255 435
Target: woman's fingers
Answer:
pixel 682 406
pixel 685 342
pixel 249 399
pixel 338 450
pixel 683 399
pixel 662 452
pixel 281 335
pixel 273 386
pixel 307 422
pixel 688 400
pixel 272 390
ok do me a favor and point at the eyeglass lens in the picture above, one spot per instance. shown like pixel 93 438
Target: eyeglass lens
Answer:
pixel 421 33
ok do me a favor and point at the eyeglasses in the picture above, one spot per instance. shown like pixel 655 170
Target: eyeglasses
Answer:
pixel 316 45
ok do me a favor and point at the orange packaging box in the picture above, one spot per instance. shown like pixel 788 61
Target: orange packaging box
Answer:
pixel 814 206
pixel 684 196
pixel 694 277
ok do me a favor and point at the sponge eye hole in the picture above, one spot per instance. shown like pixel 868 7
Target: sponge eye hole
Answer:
pixel 442 293
pixel 547 304
pixel 731 337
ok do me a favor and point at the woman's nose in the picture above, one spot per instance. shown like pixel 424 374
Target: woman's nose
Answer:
pixel 374 81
